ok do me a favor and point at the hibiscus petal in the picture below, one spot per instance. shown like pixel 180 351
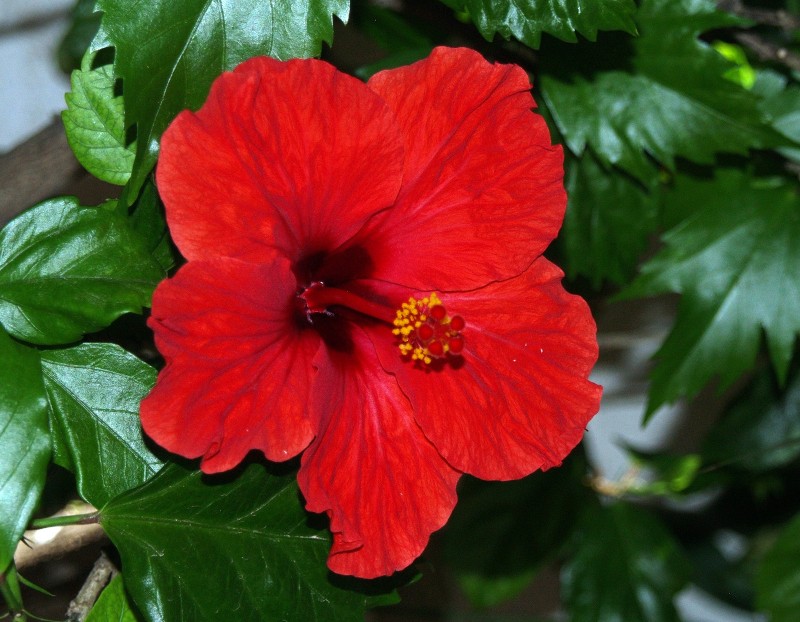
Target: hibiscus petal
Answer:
pixel 482 193
pixel 383 484
pixel 294 155
pixel 238 368
pixel 519 398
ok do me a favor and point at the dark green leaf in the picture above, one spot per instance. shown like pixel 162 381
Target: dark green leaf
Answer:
pixel 609 221
pixel 112 605
pixel 781 104
pixel 197 548
pixel 405 42
pixel 94 391
pixel 495 542
pixel 778 577
pixel 390 30
pixel 66 270
pixel 528 19
pixel 82 29
pixel 761 431
pixel 169 51
pixel 625 567
pixel 150 225
pixel 24 442
pixel 735 261
pixel 658 96
pixel 95 123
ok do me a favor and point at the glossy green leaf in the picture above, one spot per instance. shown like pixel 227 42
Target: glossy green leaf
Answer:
pixel 761 430
pixel 169 51
pixel 778 576
pixel 199 548
pixel 657 96
pixel 94 391
pixel 609 220
pixel 149 223
pixel 113 605
pixel 526 20
pixel 24 441
pixel 496 544
pixel 66 270
pixel 625 567
pixel 95 123
pixel 735 261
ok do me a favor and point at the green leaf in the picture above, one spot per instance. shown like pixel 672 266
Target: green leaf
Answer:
pixel 113 604
pixel 658 96
pixel 84 23
pixel 391 31
pixel 404 41
pixel 778 576
pixel 496 544
pixel 735 261
pixel 169 51
pixel 781 104
pixel 661 474
pixel 94 391
pixel 95 123
pixel 66 270
pixel 761 430
pixel 608 223
pixel 150 225
pixel 24 441
pixel 625 567
pixel 528 19
pixel 199 548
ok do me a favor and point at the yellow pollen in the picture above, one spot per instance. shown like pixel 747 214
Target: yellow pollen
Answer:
pixel 425 332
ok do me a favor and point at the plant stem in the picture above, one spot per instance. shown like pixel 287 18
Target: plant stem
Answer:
pixel 9 590
pixel 69 519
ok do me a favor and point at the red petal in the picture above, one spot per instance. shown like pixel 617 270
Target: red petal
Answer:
pixel 482 193
pixel 238 370
pixel 293 154
pixel 520 400
pixel 383 484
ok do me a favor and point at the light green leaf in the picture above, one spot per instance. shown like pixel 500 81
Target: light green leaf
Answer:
pixel 94 391
pixel 625 567
pixel 169 51
pixel 66 270
pixel 778 576
pixel 203 548
pixel 24 441
pixel 95 123
pixel 735 260
pixel 609 220
pixel 658 96
pixel 113 605
pixel 528 19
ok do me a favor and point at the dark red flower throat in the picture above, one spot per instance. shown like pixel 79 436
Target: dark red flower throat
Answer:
pixel 424 330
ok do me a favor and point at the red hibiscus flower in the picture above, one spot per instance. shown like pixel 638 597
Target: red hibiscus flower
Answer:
pixel 365 285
